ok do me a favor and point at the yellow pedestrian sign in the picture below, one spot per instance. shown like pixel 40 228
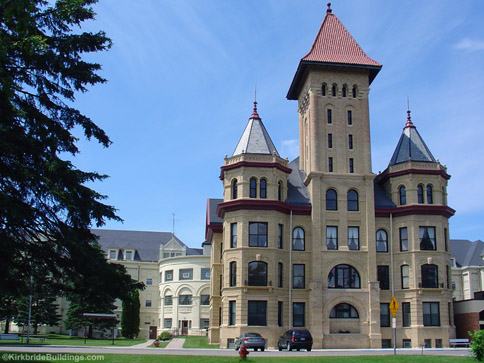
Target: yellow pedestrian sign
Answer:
pixel 394 306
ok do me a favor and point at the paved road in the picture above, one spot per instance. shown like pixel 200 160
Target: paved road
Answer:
pixel 464 352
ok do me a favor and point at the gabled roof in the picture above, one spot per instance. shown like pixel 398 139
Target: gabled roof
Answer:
pixel 146 244
pixel 411 146
pixel 255 138
pixel 297 192
pixel 467 253
pixel 333 46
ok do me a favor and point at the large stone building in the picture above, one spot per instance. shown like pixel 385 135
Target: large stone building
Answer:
pixel 322 242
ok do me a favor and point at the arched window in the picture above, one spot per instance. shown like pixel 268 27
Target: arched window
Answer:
pixel 403 195
pixel 343 311
pixel 253 187
pixel 279 191
pixel 430 276
pixel 323 89
pixel 343 277
pixel 344 91
pixel 381 241
pixel 331 199
pixel 257 273
pixel 233 273
pixel 352 200
pixel 333 90
pixel 430 197
pixel 354 91
pixel 234 189
pixel 420 194
pixel 298 243
pixel 263 188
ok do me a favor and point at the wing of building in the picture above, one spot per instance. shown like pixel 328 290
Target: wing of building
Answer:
pixel 322 243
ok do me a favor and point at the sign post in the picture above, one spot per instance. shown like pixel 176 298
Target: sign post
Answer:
pixel 394 308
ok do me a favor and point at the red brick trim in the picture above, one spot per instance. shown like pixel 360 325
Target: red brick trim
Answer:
pixel 434 210
pixel 253 164
pixel 442 173
pixel 258 204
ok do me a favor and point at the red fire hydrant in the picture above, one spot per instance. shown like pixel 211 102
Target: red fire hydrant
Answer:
pixel 243 352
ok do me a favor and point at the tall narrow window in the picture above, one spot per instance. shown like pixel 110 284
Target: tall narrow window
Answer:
pixel 331 200
pixel 279 313
pixel 279 191
pixel 253 188
pixel 383 273
pixel 430 276
pixel 343 91
pixel 333 90
pixel 385 315
pixel 232 307
pixel 298 240
pixel 330 164
pixel 381 241
pixel 323 90
pixel 403 239
pixel 420 194
pixel 298 278
pixel 263 188
pixel 350 117
pixel 257 273
pixel 257 234
pixel 330 116
pixel 354 91
pixel 280 268
pixel 404 270
pixel 350 142
pixel 330 141
pixel 332 237
pixel 406 317
pixel 298 314
pixel 352 197
pixel 431 314
pixel 233 273
pixel 427 238
pixel 233 235
pixel 446 240
pixel 280 233
pixel 430 197
pixel 352 165
pixel 257 313
pixel 234 189
pixel 403 195
pixel 354 238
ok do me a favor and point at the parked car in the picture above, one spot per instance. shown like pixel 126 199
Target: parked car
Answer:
pixel 250 340
pixel 296 339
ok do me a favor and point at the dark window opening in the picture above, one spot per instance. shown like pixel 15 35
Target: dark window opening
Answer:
pixel 343 277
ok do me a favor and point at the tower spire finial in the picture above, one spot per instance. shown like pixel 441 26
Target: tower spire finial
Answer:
pixel 329 10
pixel 409 119
pixel 255 115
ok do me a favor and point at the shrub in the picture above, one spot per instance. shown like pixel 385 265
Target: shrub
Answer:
pixel 477 344
pixel 165 336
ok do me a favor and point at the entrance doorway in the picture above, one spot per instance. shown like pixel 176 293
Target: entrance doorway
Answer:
pixel 153 331
pixel 184 327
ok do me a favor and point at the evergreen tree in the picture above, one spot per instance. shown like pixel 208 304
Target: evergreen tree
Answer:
pixel 130 316
pixel 46 205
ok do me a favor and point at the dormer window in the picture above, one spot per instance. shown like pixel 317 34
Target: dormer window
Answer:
pixel 113 254
pixel 128 255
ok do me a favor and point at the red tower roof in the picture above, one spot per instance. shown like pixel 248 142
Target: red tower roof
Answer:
pixel 333 46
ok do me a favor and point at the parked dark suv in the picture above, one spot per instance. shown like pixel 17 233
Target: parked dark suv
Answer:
pixel 296 339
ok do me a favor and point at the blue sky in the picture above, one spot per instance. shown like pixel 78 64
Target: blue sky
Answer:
pixel 181 78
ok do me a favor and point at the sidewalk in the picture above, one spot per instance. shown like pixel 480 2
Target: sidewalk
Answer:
pixel 176 343
pixel 143 345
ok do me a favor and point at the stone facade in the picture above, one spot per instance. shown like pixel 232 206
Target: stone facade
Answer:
pixel 323 243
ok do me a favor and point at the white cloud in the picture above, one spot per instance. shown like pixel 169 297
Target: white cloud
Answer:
pixel 470 44
pixel 290 148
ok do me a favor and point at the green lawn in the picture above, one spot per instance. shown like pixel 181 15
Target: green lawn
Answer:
pixel 56 339
pixel 114 358
pixel 163 344
pixel 198 342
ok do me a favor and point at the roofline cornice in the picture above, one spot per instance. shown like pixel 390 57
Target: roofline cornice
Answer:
pixel 292 93
pixel 387 175
pixel 273 205
pixel 253 165
pixel 435 210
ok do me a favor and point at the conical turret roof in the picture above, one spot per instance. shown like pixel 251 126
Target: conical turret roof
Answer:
pixel 255 138
pixel 333 46
pixel 411 146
